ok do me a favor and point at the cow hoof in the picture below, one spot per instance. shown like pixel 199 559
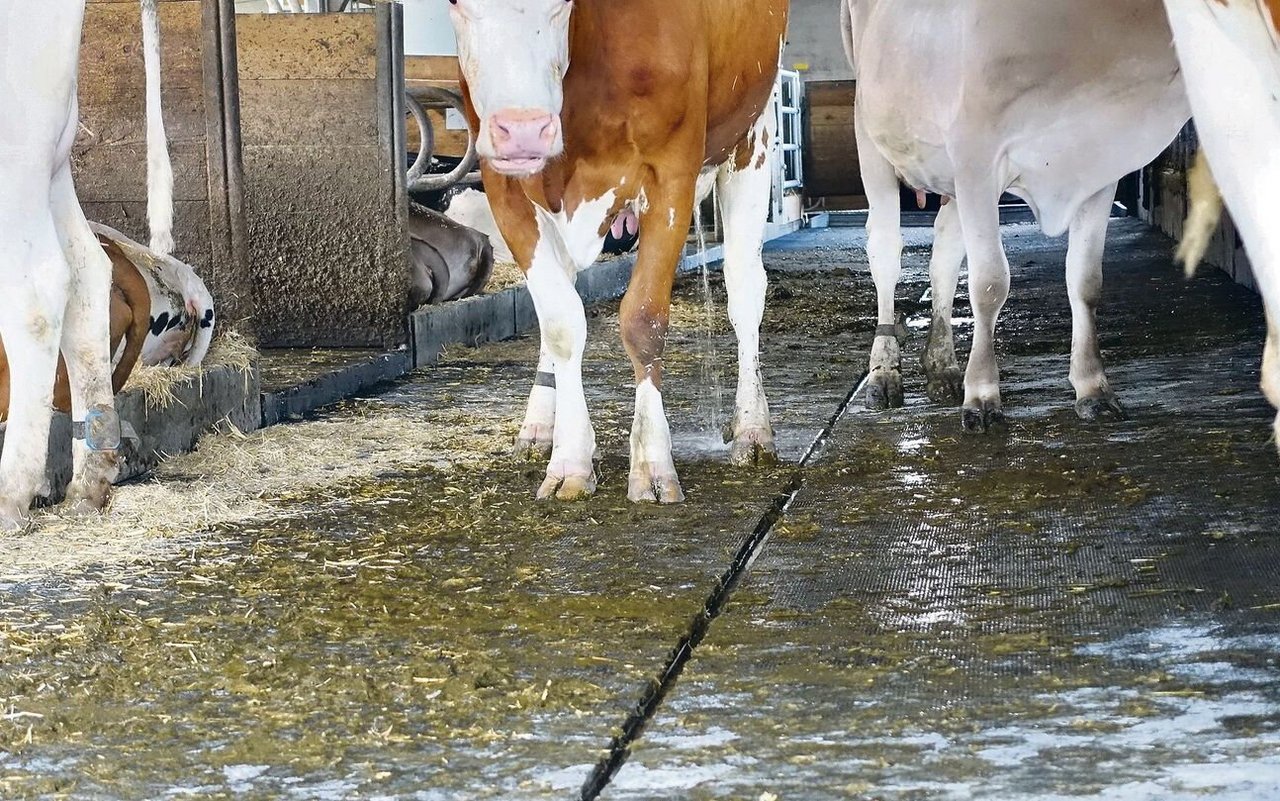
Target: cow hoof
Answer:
pixel 84 498
pixel 884 389
pixel 753 448
pixel 980 420
pixel 12 517
pixel 532 448
pixel 567 487
pixel 650 484
pixel 1105 408
pixel 947 386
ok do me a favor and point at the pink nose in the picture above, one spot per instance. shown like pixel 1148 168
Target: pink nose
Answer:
pixel 523 133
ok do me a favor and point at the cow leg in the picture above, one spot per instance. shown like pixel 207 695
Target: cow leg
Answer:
pixel 941 369
pixel 86 348
pixel 535 439
pixel 978 200
pixel 884 251
pixel 744 205
pixel 646 307
pixel 563 322
pixel 1094 397
pixel 34 277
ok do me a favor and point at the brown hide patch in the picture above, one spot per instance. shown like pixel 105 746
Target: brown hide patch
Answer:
pixel 1273 12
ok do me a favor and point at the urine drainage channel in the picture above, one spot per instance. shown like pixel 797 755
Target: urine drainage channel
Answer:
pixel 660 685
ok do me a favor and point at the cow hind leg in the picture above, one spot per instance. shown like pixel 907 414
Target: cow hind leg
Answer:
pixel 86 349
pixel 977 200
pixel 945 379
pixel 1094 397
pixel 744 202
pixel 34 281
pixel 884 252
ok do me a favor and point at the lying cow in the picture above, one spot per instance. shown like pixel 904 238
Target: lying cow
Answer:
pixel 582 108
pixel 1053 102
pixel 181 317
pixel 448 260
pixel 152 323
pixel 1230 55
pixel 55 279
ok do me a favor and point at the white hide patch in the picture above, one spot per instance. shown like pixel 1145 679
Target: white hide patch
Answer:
pixel 650 432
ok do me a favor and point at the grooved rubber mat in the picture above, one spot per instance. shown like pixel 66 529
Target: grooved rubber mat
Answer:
pixel 1056 610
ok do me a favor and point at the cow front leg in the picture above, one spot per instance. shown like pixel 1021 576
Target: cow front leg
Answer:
pixel 988 290
pixel 646 307
pixel 884 252
pixel 535 439
pixel 563 322
pixel 86 351
pixel 1094 397
pixel 1271 368
pixel 945 379
pixel 744 204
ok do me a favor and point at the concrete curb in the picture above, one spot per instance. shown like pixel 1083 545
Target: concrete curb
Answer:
pixel 198 404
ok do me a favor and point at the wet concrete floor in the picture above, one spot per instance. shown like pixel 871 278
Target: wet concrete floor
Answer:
pixel 1054 610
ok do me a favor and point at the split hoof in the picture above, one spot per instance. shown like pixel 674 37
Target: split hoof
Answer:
pixel 946 387
pixel 87 498
pixel 1104 408
pixel 981 419
pixel 567 487
pixel 647 484
pixel 12 518
pixel 753 449
pixel 531 449
pixel 884 389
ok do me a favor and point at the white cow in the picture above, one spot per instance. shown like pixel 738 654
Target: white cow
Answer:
pixel 55 279
pixel 1230 53
pixel 1051 101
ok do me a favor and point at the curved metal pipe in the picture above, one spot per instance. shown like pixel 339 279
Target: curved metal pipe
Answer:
pixel 419 180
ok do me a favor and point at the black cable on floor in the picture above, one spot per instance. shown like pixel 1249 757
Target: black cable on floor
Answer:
pixel 657 688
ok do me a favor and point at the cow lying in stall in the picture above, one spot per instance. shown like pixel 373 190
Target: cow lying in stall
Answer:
pixel 1053 102
pixel 582 108
pixel 1230 55
pixel 54 276
pixel 161 314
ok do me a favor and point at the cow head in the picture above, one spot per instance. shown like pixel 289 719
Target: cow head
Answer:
pixel 514 54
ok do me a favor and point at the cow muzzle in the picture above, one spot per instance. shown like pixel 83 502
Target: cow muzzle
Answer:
pixel 523 140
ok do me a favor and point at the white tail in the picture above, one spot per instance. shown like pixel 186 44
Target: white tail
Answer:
pixel 159 168
pixel 1203 216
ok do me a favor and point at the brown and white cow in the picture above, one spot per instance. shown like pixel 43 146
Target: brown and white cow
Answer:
pixel 1230 55
pixel 584 107
pixel 55 279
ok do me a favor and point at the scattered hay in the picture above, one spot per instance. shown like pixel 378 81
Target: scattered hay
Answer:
pixel 229 349
pixel 505 275
pixel 234 478
pixel 689 314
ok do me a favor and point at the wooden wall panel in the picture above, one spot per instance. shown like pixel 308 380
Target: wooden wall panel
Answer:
pixel 831 155
pixel 324 177
pixel 441 71
pixel 109 158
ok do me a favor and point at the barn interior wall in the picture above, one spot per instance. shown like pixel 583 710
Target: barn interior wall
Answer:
pixel 109 159
pixel 815 50
pixel 324 177
pixel 1164 205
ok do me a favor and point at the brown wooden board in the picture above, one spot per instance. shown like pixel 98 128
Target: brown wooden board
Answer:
pixel 831 155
